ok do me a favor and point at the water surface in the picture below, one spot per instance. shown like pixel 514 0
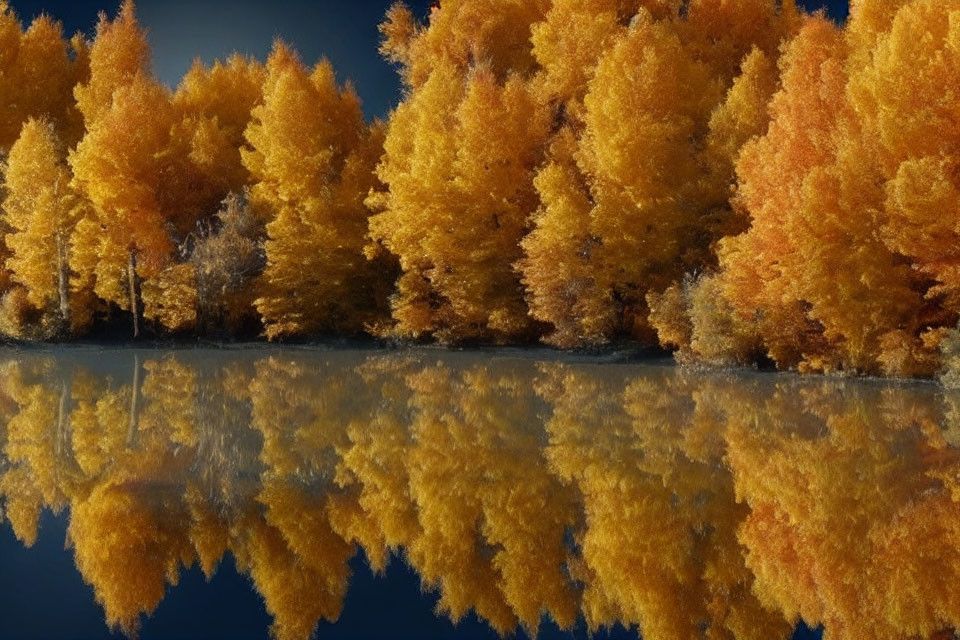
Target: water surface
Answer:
pixel 241 493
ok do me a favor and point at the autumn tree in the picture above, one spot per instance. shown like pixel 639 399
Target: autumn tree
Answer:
pixel 461 32
pixel 908 132
pixel 311 161
pixel 638 172
pixel 212 109
pixel 41 209
pixel 213 106
pixel 226 259
pixel 456 204
pixel 136 167
pixel 38 71
pixel 820 304
pixel 119 164
pixel 556 267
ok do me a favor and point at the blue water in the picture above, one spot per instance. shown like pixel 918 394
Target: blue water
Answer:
pixel 42 597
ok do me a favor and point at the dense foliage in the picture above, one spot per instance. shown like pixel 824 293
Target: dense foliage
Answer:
pixel 733 179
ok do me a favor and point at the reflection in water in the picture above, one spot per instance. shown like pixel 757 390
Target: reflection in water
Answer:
pixel 685 504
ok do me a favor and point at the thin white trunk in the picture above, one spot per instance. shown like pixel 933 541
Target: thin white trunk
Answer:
pixel 134 298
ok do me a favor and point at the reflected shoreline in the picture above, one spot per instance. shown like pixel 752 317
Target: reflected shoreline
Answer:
pixel 682 503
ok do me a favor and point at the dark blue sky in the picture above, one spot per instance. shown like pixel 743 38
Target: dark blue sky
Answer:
pixel 343 30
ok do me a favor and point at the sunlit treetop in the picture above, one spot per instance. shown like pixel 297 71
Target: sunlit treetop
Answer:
pixel 120 51
pixel 38 70
pixel 227 91
pixel 463 32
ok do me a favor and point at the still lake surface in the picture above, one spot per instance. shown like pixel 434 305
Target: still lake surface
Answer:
pixel 351 493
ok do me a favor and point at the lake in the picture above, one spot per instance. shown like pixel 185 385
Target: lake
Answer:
pixel 360 493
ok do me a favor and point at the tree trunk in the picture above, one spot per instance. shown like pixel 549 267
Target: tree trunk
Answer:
pixel 60 444
pixel 133 424
pixel 63 283
pixel 133 284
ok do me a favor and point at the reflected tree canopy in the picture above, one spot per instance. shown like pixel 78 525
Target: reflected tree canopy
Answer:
pixel 684 504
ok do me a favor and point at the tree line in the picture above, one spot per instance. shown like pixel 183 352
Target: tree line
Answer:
pixel 736 180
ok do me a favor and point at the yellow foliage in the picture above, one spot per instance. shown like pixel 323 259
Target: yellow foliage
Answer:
pixel 129 566
pixel 459 159
pixel 38 71
pixel 461 33
pixel 559 263
pixel 41 209
pixel 559 170
pixel 648 104
pixel 670 317
pixel 312 161
pixel 647 183
pixel 119 53
pixel 213 106
pixel 120 164
pixel 696 319
pixel 570 39
pixel 846 192
pixel 171 298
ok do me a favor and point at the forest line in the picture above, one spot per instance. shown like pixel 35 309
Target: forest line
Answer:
pixel 735 180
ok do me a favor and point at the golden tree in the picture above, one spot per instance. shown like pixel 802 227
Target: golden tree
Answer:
pixel 38 71
pixel 153 165
pixel 810 190
pixel 215 104
pixel 909 133
pixel 311 162
pixel 558 264
pixel 641 165
pixel 119 52
pixel 41 209
pixel 462 32
pixel 459 159
pixel 119 166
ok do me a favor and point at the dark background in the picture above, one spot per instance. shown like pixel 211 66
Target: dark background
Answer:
pixel 343 30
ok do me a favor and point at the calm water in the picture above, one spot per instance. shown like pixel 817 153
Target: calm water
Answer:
pixel 425 494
